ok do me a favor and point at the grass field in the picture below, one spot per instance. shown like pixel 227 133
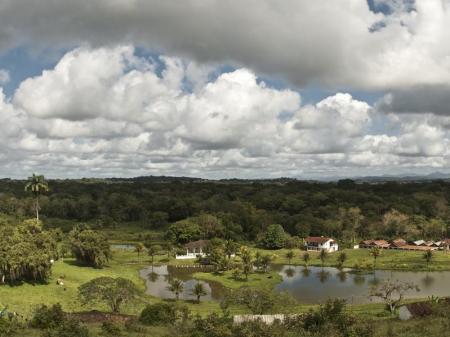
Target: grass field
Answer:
pixel 25 297
pixel 389 259
pixel 258 280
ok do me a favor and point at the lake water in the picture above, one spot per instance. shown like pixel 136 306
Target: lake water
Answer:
pixel 316 285
pixel 310 286
pixel 157 280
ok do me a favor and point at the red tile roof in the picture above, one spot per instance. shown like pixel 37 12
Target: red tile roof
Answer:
pixel 196 244
pixel 399 242
pixel 317 239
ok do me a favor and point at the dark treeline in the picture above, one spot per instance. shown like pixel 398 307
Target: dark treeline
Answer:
pixel 342 209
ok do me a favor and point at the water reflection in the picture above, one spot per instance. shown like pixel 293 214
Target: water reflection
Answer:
pixel 308 285
pixel 306 272
pixel 153 277
pixel 359 279
pixel 157 280
pixel 355 286
pixel 323 276
pixel 342 276
pixel 427 281
pixel 374 281
pixel 290 272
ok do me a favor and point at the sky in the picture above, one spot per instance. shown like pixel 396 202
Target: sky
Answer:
pixel 224 89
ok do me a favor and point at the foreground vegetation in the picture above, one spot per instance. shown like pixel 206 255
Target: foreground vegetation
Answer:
pixel 55 272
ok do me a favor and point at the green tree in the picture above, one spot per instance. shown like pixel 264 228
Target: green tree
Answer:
pixel 199 291
pixel 375 252
pixel 247 261
pixel 323 256
pixel 355 217
pixel 230 248
pixel 112 291
pixel 265 262
pixel 275 237
pixel 89 247
pixel 176 286
pixel 26 252
pixel 36 185
pixel 428 257
pixel 258 300
pixel 342 257
pixel 306 258
pixel 290 255
pixel 138 248
pixel 169 249
pixel 153 250
pixel 184 231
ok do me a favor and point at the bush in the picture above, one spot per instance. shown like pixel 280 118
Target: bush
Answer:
pixel 111 329
pixel 8 327
pixel 68 328
pixel 157 314
pixel 45 317
pixel 132 325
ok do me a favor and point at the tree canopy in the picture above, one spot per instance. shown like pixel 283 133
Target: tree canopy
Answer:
pixel 26 252
pixel 114 292
pixel 89 247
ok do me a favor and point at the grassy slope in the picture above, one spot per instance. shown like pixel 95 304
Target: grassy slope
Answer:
pixel 22 298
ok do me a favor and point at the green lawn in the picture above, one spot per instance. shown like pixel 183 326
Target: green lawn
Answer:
pixel 127 264
pixel 389 259
pixel 259 280
pixel 24 297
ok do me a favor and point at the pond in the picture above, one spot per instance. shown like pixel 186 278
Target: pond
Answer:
pixel 157 280
pixel 310 286
pixel 316 284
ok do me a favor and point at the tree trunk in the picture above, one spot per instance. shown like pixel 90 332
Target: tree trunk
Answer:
pixel 37 209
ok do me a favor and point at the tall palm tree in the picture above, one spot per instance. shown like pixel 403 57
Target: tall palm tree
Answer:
pixel 290 255
pixel 152 250
pixel 375 252
pixel 341 259
pixel 322 256
pixel 199 291
pixel 169 249
pixel 306 259
pixel 247 261
pixel 138 248
pixel 36 185
pixel 230 248
pixel 428 256
pixel 176 286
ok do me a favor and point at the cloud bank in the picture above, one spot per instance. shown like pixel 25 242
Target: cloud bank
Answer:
pixel 332 43
pixel 107 111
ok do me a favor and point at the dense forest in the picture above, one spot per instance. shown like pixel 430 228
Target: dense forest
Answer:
pixel 240 209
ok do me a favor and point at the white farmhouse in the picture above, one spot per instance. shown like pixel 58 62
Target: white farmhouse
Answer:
pixel 193 250
pixel 318 243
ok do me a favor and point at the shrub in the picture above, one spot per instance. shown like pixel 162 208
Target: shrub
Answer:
pixel 8 327
pixel 111 329
pixel 68 328
pixel 45 317
pixel 158 313
pixel 132 325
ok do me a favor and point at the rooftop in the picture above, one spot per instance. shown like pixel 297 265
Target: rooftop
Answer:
pixel 318 239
